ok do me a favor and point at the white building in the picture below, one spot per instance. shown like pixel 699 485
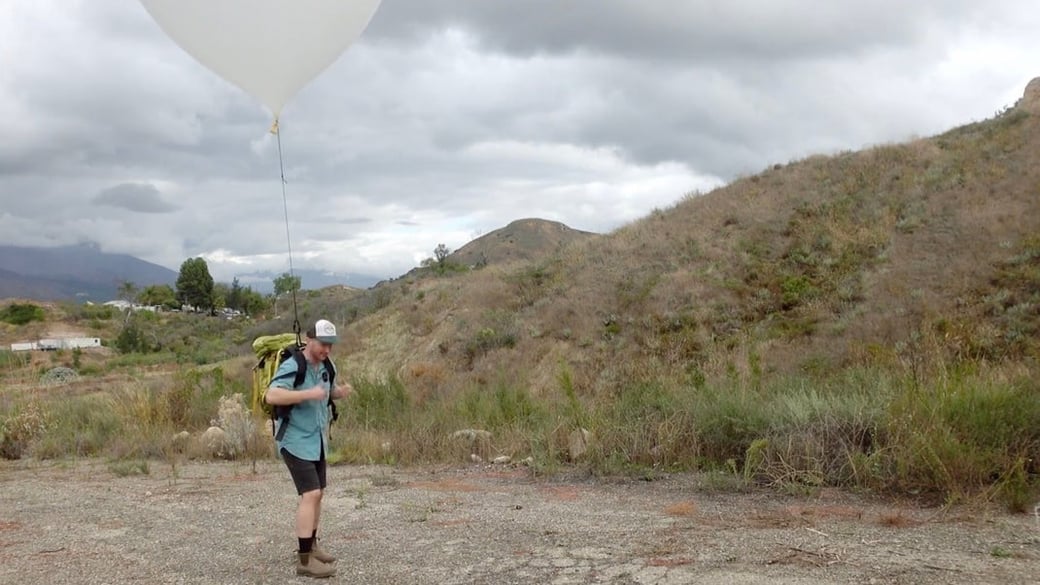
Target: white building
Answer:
pixel 57 343
pixel 124 305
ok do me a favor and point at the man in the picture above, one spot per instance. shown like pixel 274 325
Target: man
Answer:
pixel 305 441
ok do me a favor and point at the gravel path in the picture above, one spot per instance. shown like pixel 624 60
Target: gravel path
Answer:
pixel 77 522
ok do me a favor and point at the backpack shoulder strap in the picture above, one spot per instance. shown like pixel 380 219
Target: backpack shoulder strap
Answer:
pixel 281 357
pixel 331 369
pixel 301 367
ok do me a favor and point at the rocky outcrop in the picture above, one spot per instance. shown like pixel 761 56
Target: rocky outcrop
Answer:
pixel 1030 101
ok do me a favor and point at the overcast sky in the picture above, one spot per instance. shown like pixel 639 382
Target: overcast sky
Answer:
pixel 450 118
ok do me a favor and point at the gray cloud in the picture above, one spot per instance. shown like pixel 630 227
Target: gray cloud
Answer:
pixel 139 197
pixel 451 118
pixel 687 30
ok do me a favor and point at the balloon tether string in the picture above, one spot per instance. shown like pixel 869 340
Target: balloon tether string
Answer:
pixel 288 240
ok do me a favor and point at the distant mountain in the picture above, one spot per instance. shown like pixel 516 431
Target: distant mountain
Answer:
pixel 523 239
pixel 81 272
pixel 526 240
pixel 263 281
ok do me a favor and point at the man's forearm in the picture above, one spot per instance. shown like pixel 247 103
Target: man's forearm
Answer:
pixel 283 397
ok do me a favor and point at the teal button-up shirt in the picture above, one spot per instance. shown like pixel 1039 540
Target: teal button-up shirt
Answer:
pixel 307 434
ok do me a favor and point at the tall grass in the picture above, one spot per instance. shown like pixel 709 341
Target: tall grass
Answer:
pixel 971 435
pixel 967 435
pixel 10 360
pixel 961 437
pixel 127 421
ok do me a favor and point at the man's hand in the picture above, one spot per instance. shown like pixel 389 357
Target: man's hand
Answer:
pixel 316 393
pixel 342 391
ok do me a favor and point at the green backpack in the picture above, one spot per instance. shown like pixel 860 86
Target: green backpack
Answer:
pixel 271 351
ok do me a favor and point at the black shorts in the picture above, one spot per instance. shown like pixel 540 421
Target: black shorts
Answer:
pixel 307 475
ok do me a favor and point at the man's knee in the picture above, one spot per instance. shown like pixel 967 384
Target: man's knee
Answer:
pixel 311 497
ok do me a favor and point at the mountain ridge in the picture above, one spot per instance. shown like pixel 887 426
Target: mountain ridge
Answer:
pixel 81 272
pixel 523 239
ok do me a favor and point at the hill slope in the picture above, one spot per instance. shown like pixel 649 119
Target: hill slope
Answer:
pixel 927 247
pixel 522 240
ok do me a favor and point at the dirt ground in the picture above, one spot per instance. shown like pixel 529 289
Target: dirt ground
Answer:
pixel 78 522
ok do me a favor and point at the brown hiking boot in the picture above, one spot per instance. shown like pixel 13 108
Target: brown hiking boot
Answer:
pixel 318 553
pixel 309 566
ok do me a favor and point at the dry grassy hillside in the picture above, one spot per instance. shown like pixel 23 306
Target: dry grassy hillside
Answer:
pixel 900 252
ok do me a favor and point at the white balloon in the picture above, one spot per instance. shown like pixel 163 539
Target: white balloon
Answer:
pixel 269 48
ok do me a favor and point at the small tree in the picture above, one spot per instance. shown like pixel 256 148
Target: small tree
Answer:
pixel 235 296
pixel 221 292
pixel 441 253
pixel 253 303
pixel 195 285
pixel 131 339
pixel 127 291
pixel 285 284
pixel 158 295
pixel 440 263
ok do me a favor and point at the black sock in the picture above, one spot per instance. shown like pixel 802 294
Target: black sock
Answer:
pixel 306 544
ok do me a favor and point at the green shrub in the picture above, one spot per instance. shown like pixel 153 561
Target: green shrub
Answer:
pixel 499 330
pixel 378 405
pixel 192 402
pixel 955 439
pixel 93 313
pixel 21 313
pixel 503 406
pixel 131 339
pixel 728 419
pixel 796 290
